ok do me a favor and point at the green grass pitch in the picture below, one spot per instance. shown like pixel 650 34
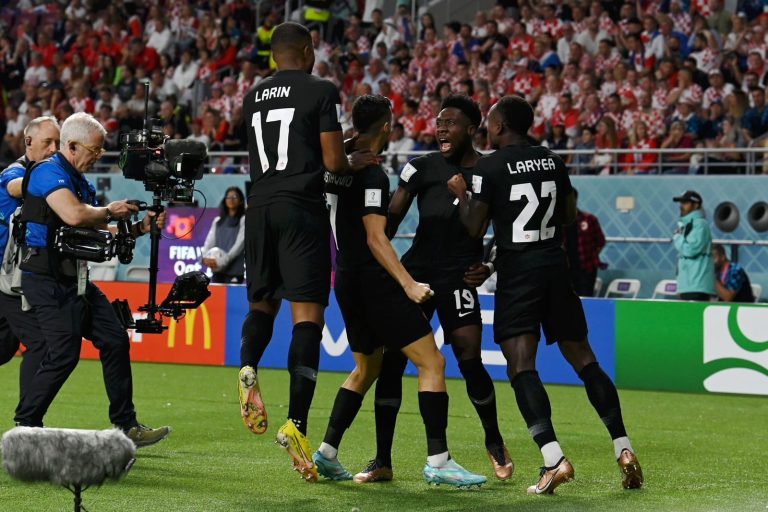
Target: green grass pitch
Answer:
pixel 698 452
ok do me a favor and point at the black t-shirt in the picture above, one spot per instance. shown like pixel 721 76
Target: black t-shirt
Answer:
pixel 525 188
pixel 350 198
pixel 284 116
pixel 441 241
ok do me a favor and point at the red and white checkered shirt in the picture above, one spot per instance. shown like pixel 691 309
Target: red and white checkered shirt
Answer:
pixel 545 108
pixel 592 119
pixel 524 43
pixel 701 7
pixel 399 84
pixel 554 28
pixel 682 22
pixel 412 125
pixel 692 93
pixel 712 94
pixel 706 59
pixel 654 120
pixel 610 62
pixel 425 109
pixel 363 44
pixel 417 68
pixel 607 24
pixel 524 83
pixel 431 81
pixel 659 99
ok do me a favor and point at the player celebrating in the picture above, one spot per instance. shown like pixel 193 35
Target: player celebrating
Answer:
pixel 378 300
pixel 294 132
pixel 525 190
pixel 444 256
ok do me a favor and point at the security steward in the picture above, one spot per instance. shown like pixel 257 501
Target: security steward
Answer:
pixel 66 304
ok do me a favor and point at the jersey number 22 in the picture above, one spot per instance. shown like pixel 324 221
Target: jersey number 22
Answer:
pixel 521 190
pixel 285 116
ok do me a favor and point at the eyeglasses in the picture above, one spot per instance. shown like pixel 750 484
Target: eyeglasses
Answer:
pixel 96 151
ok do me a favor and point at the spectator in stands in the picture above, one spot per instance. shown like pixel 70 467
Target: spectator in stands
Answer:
pixel 227 233
pixel 731 283
pixel 693 241
pixel 583 162
pixel 584 240
pixel 677 139
pixel 640 161
pixel 755 120
pixel 13 140
pixel 398 142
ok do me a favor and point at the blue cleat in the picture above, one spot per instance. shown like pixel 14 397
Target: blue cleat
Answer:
pixel 332 470
pixel 452 474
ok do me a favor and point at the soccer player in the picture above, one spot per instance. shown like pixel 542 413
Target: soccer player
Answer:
pixel 448 259
pixel 525 190
pixel 379 302
pixel 294 132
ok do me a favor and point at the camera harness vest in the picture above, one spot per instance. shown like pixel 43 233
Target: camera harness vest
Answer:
pixel 35 209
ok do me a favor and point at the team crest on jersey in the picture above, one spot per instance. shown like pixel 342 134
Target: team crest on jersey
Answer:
pixel 408 171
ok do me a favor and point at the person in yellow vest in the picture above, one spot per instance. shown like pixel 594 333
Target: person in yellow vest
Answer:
pixel 264 58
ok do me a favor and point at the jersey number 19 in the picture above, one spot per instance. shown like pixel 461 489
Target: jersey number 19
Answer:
pixel 525 190
pixel 285 116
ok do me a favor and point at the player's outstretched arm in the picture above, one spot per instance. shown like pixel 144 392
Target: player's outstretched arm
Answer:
pixel 398 207
pixel 474 214
pixel 382 250
pixel 335 160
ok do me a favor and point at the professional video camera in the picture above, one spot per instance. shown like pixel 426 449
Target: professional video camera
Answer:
pixel 168 168
pixel 95 244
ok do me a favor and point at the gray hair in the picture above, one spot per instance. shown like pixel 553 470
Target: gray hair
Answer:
pixel 34 124
pixel 79 127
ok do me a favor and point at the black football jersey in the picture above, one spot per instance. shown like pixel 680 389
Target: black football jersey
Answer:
pixel 441 241
pixel 350 198
pixel 525 188
pixel 285 115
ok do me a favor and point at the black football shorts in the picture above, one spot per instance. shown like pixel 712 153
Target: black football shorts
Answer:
pixel 376 311
pixel 456 304
pixel 536 299
pixel 287 252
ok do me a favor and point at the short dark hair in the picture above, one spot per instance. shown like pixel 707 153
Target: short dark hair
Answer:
pixel 467 107
pixel 369 111
pixel 719 249
pixel 516 114
pixel 290 36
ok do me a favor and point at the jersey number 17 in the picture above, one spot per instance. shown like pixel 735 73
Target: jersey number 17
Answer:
pixel 525 190
pixel 285 116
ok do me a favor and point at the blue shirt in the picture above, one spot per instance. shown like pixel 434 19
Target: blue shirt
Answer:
pixel 8 203
pixel 48 177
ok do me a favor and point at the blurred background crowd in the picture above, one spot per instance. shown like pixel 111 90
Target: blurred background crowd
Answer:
pixel 674 74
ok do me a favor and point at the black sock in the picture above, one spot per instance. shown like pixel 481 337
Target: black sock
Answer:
pixel 433 406
pixel 389 395
pixel 481 394
pixel 303 360
pixel 256 333
pixel 604 398
pixel 533 402
pixel 345 408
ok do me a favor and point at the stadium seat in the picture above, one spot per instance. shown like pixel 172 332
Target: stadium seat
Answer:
pixel 665 288
pixel 103 271
pixel 598 287
pixel 757 291
pixel 623 288
pixel 137 274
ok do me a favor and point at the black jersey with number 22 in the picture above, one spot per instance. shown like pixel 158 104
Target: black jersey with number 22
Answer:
pixel 525 188
pixel 285 115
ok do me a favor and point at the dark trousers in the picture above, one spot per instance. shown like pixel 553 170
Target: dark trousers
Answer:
pixel 583 282
pixel 21 326
pixel 65 318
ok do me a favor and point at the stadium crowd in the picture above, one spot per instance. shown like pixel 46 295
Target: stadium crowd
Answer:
pixel 672 74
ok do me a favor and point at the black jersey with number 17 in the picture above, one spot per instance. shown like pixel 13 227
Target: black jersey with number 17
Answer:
pixel 525 188
pixel 284 116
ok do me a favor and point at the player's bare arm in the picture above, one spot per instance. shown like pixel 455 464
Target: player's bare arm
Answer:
pixel 14 187
pixel 382 250
pixel 474 214
pixel 398 208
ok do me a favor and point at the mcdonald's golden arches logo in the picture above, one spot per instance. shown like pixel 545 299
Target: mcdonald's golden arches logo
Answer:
pixel 189 328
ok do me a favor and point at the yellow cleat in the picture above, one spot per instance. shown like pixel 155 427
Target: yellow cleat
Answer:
pixel 297 446
pixel 251 405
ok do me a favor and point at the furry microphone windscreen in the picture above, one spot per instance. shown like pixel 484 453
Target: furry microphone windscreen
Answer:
pixel 67 456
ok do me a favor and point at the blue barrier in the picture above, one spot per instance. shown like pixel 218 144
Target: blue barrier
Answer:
pixel 336 356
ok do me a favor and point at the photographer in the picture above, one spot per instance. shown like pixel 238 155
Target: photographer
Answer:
pixel 66 304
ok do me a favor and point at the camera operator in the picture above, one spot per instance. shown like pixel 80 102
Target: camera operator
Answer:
pixel 66 304
pixel 41 140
